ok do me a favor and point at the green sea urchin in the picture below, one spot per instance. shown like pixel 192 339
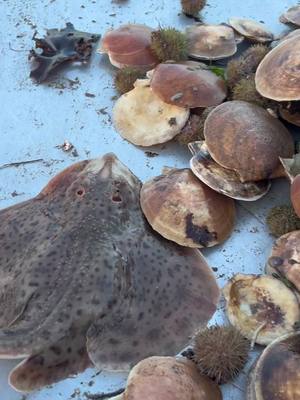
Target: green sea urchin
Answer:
pixel 169 44
pixel 125 79
pixel 220 352
pixel 194 128
pixel 282 219
pixel 246 64
pixel 245 90
pixel 192 7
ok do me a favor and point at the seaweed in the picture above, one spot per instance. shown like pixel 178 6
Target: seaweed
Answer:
pixel 59 46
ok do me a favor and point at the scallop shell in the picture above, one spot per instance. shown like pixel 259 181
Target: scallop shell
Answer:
pixel 276 374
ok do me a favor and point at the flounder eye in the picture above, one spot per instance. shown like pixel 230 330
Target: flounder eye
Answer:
pixel 116 197
pixel 80 192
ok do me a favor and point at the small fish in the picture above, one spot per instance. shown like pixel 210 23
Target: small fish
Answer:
pixel 84 280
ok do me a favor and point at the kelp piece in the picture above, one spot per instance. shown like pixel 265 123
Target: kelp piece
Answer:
pixel 59 46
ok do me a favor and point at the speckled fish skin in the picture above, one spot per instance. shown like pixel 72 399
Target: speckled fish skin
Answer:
pixel 83 277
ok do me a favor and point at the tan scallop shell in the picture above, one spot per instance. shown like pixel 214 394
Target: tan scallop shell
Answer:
pixel 211 42
pixel 276 374
pixel 284 259
pixel 182 209
pixel 262 307
pixel 254 31
pixel 188 85
pixel 292 15
pixel 143 119
pixel 245 138
pixel 278 75
pixel 168 378
pixel 223 180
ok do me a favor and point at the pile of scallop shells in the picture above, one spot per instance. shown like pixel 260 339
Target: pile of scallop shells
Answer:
pixel 239 144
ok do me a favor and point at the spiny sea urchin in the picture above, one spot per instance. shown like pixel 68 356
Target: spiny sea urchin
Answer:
pixel 282 219
pixel 193 130
pixel 246 64
pixel 221 352
pixel 169 44
pixel 254 54
pixel 245 90
pixel 192 7
pixel 126 77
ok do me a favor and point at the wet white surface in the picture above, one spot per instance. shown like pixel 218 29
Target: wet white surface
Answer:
pixel 37 118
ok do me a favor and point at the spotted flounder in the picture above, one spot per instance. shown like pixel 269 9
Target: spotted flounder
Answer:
pixel 84 280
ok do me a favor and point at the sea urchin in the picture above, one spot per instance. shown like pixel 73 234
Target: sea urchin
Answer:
pixel 169 44
pixel 194 128
pixel 282 219
pixel 192 7
pixel 246 64
pixel 125 78
pixel 220 352
pixel 245 90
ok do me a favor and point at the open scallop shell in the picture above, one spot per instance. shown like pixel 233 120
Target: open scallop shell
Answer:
pixel 292 171
pixel 278 75
pixel 261 306
pixel 276 374
pixel 291 16
pixel 211 42
pixel 284 259
pixel 182 209
pixel 188 85
pixel 143 119
pixel 223 180
pixel 252 30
